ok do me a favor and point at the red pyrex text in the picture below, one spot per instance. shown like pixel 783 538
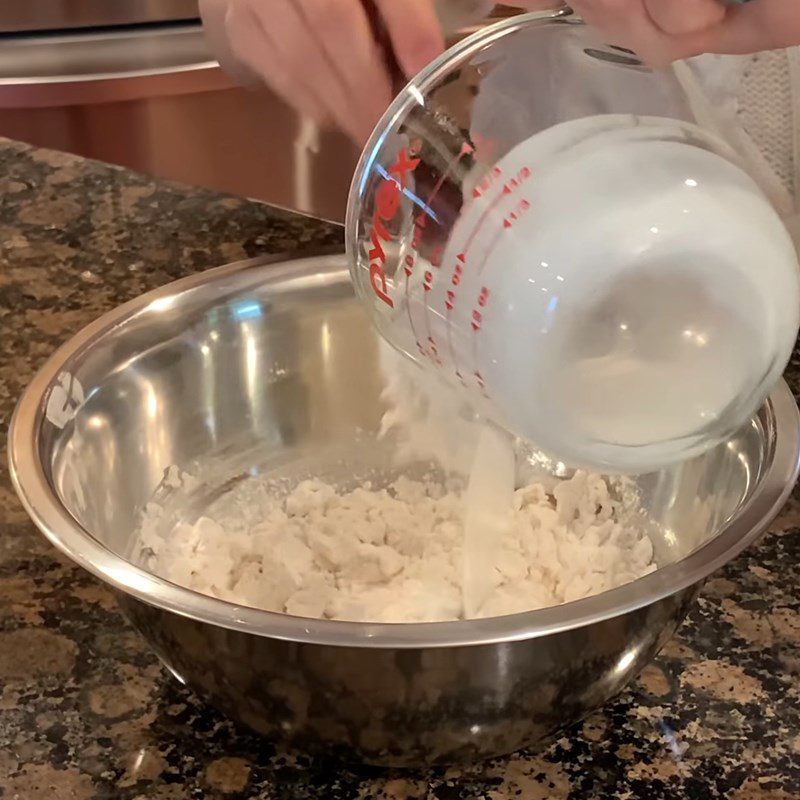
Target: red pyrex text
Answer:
pixel 387 202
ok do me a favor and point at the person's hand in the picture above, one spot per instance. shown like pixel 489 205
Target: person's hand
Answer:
pixel 662 31
pixel 321 55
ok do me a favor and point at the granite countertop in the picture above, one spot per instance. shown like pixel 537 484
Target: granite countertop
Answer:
pixel 87 712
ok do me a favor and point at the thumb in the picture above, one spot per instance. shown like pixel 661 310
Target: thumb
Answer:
pixel 681 17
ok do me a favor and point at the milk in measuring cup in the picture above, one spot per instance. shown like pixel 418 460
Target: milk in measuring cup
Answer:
pixel 615 289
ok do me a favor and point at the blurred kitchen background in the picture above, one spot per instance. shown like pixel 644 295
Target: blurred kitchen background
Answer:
pixel 131 82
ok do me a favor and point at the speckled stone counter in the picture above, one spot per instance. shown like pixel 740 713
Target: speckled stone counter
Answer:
pixel 87 712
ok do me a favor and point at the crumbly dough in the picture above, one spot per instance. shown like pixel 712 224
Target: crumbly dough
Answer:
pixel 395 555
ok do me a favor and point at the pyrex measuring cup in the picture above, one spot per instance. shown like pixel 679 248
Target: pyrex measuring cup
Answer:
pixel 578 243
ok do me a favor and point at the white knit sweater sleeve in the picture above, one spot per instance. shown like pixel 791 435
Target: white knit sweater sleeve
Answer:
pixel 763 92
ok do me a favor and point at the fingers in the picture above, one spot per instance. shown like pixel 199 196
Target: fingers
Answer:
pixel 255 51
pixel 680 17
pixel 343 32
pixel 213 13
pixel 751 28
pixel 322 58
pixel 304 60
pixel 626 23
pixel 414 30
pixel 662 31
pixel 318 55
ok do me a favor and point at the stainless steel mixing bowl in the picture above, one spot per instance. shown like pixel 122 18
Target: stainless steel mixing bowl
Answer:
pixel 256 363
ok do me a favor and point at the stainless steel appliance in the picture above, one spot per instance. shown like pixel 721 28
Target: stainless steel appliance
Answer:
pixel 18 16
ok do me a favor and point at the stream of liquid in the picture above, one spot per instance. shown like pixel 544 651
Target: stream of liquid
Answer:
pixel 487 510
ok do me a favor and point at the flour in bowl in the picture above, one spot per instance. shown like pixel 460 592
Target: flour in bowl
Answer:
pixel 395 554
pixel 456 541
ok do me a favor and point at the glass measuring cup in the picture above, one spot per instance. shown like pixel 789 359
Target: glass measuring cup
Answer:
pixel 579 243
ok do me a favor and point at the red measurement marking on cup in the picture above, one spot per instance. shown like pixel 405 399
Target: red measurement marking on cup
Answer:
pixel 486 183
pixel 427 285
pixel 431 349
pixel 518 211
pixel 408 267
pixel 476 324
pixel 476 321
pixel 509 187
pixel 477 311
pixel 411 258
pixel 450 301
pixel 463 259
pixel 508 222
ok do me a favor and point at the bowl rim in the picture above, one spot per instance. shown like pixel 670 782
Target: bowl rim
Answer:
pixel 41 502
